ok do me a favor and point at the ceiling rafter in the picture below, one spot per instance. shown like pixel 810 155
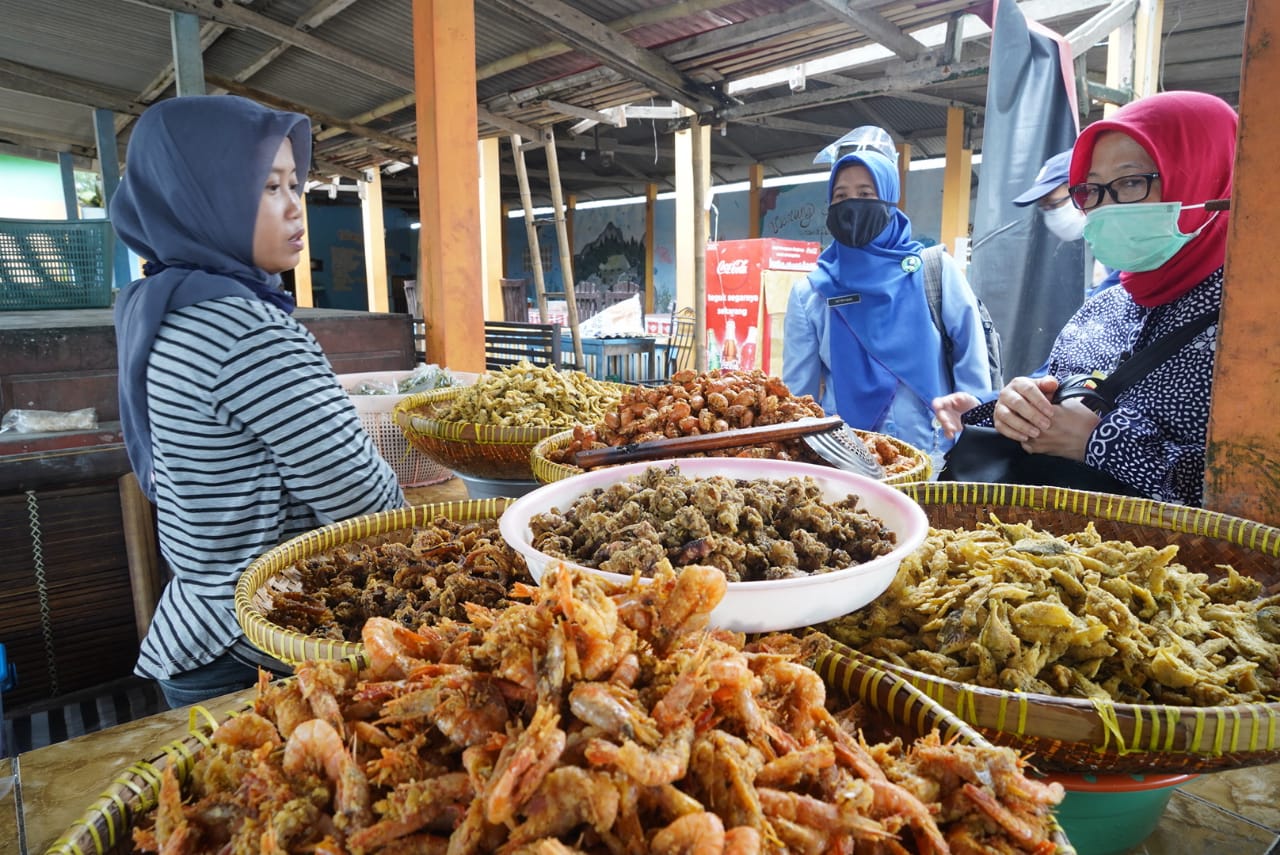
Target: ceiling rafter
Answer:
pixel 387 140
pixel 671 12
pixel 37 81
pixel 246 19
pixel 306 22
pixel 876 26
pixel 615 51
pixel 889 84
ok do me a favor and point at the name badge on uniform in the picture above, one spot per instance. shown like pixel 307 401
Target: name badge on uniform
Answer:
pixel 911 264
pixel 847 299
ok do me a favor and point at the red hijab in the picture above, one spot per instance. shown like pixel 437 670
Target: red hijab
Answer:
pixel 1191 136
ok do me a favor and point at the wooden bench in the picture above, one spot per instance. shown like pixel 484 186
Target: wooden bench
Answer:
pixel 508 342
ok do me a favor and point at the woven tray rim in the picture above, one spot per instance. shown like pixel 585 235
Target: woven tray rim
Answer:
pixel 291 646
pixel 547 471
pixel 1125 737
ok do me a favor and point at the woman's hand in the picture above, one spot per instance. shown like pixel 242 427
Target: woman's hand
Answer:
pixel 948 409
pixel 1068 435
pixel 1024 409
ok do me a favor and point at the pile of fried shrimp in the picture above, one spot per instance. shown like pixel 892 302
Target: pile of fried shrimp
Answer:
pixel 694 403
pixel 583 719
pixel 1007 606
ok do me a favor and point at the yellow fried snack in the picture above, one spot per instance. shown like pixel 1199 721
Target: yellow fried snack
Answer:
pixel 523 395
pixel 1010 607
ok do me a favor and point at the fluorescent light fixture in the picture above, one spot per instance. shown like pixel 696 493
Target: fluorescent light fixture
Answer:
pixel 415 226
pixel 394 167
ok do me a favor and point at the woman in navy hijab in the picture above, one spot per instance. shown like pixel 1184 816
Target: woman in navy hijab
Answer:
pixel 859 335
pixel 232 417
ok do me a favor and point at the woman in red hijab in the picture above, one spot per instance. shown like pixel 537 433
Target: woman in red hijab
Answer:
pixel 1142 178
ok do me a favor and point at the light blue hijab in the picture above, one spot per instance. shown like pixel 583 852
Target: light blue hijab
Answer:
pixel 188 202
pixel 875 342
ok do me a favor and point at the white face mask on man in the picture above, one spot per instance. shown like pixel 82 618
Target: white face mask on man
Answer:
pixel 1065 221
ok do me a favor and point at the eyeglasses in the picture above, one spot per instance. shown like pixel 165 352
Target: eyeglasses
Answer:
pixel 1123 191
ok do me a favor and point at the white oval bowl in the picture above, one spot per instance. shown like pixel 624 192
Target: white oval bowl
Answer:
pixel 759 606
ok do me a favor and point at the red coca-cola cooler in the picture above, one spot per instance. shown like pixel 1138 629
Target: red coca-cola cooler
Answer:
pixel 748 282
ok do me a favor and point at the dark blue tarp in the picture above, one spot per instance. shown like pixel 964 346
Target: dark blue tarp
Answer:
pixel 1030 281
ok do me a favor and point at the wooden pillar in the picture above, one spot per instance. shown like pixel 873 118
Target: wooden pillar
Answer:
pixel 444 61
pixel 693 178
pixel 1147 24
pixel 955 183
pixel 303 294
pixel 375 241
pixel 570 204
pixel 188 56
pixel 904 166
pixel 755 181
pixel 145 577
pixel 650 241
pixel 1242 476
pixel 1119 63
pixel 492 223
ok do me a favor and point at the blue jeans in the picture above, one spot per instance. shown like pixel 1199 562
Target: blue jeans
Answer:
pixel 221 676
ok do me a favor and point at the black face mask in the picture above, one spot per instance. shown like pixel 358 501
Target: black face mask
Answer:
pixel 856 222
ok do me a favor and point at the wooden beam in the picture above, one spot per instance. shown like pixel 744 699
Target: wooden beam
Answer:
pixel 209 33
pixel 1242 473
pixel 392 142
pixel 590 36
pixel 650 206
pixel 566 251
pixel 303 293
pixel 755 182
pixel 1100 26
pixel 234 15
pixel 401 103
pixel 1148 22
pixel 530 229
pixel 444 50
pixel 492 227
pixel 375 243
pixel 837 94
pixel 511 126
pixel 956 184
pixel 662 14
pixel 877 27
pixel 777 123
pixel 60 87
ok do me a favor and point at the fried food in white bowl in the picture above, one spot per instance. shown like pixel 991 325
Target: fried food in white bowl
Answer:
pixel 811 542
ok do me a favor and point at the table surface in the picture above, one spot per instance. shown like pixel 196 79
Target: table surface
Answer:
pixel 1233 812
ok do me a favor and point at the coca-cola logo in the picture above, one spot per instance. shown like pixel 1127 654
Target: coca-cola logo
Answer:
pixel 736 267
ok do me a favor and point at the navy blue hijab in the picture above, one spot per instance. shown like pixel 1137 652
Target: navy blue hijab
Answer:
pixel 875 340
pixel 194 177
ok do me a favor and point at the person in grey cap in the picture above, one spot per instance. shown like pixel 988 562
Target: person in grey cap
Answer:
pixel 1049 194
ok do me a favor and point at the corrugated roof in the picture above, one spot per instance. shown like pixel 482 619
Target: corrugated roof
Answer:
pixel 60 56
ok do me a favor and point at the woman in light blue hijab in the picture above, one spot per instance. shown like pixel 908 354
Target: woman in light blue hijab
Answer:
pixel 233 419
pixel 858 334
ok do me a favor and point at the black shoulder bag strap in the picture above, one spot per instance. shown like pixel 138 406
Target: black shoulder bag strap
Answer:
pixel 1101 395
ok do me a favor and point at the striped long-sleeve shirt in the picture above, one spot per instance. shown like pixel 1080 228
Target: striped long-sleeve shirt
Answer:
pixel 254 442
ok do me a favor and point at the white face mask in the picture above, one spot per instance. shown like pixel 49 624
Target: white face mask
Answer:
pixel 1065 221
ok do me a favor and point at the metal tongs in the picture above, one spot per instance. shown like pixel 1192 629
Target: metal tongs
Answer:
pixel 829 438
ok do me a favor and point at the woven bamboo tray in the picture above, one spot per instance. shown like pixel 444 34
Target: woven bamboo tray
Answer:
pixel 904 710
pixel 290 646
pixel 547 471
pixel 1078 734
pixel 106 827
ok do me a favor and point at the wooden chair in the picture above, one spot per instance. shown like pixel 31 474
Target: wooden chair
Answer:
pixel 508 342
pixel 679 348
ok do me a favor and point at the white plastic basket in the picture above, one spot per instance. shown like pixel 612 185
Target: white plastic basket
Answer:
pixel 412 467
